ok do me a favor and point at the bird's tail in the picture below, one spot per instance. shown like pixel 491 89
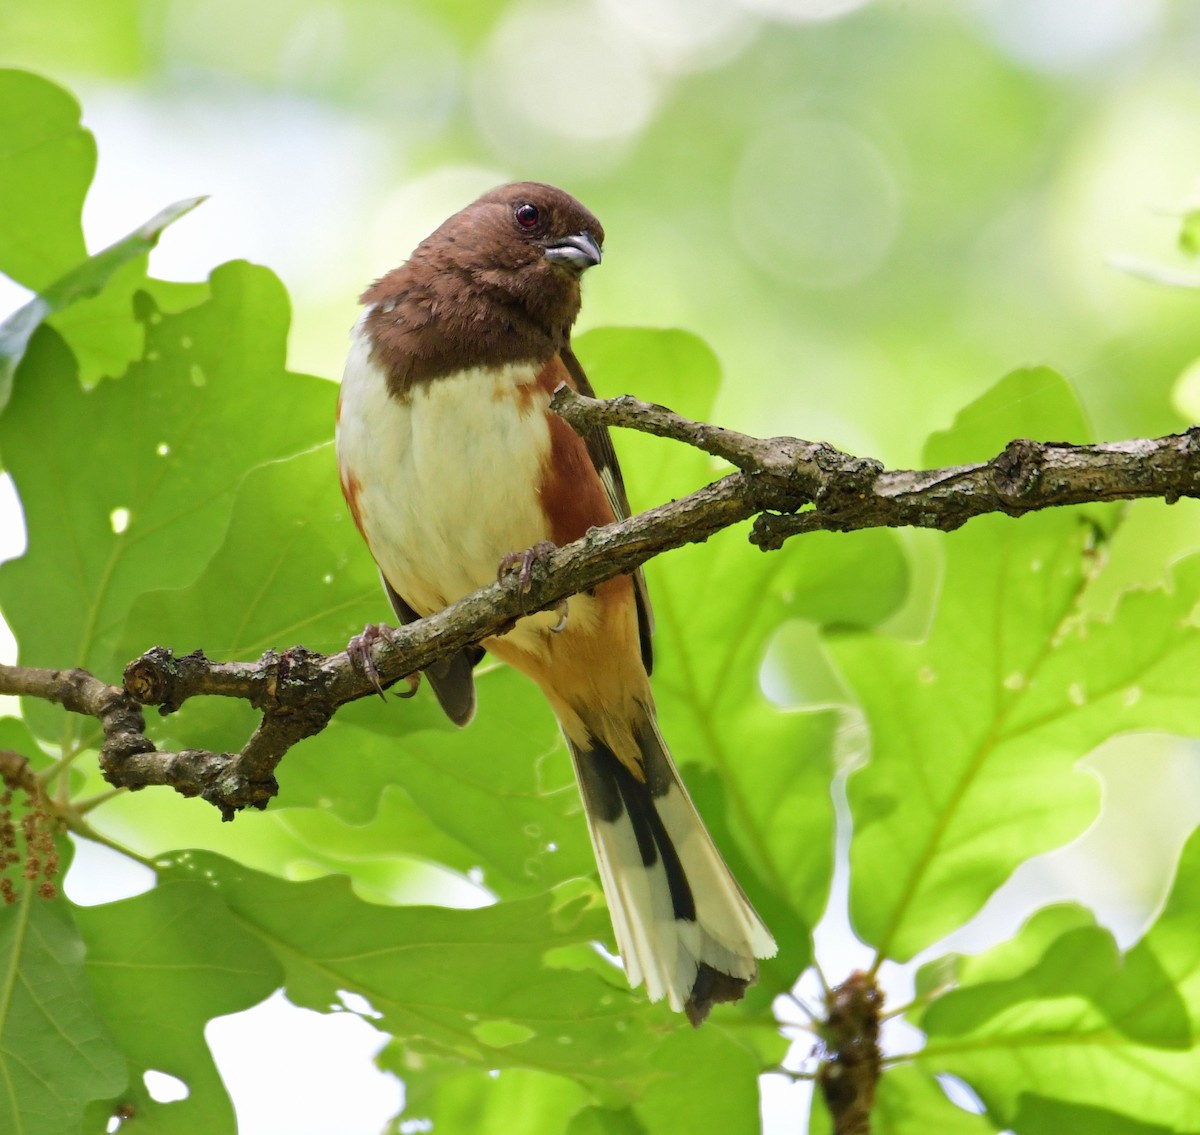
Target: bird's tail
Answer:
pixel 683 925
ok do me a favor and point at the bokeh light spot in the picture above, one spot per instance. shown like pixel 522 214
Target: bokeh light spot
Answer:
pixel 683 35
pixel 816 203
pixel 555 75
pixel 804 11
pixel 1186 395
pixel 418 205
pixel 1062 35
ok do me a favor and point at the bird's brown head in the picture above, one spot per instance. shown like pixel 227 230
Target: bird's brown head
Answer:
pixel 497 282
pixel 526 235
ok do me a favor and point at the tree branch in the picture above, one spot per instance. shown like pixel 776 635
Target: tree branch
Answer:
pixel 850 492
pixel 788 485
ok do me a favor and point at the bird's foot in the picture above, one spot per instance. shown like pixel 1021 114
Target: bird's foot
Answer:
pixel 538 554
pixel 359 649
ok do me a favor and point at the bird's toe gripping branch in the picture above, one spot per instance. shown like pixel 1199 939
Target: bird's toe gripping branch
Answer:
pixel 525 561
pixel 359 650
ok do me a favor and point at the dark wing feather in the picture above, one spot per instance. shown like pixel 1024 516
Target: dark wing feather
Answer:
pixel 451 678
pixel 604 457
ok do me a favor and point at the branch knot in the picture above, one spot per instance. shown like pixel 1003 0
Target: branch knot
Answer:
pixel 846 481
pixel 151 678
pixel 1016 472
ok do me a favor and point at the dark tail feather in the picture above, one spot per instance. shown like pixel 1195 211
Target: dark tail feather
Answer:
pixel 683 925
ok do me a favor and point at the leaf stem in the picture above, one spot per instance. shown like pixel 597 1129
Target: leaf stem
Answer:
pixel 83 807
pixel 78 826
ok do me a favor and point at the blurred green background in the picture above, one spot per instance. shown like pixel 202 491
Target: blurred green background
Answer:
pixel 870 211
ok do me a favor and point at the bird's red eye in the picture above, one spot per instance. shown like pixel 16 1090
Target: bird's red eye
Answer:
pixel 527 216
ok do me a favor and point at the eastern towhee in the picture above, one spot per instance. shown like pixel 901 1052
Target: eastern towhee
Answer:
pixel 451 461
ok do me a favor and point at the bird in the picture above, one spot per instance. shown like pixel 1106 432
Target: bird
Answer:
pixel 455 470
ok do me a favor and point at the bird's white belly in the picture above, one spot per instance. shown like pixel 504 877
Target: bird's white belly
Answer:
pixel 446 481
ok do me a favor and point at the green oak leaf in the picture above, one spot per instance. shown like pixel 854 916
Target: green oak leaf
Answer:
pixel 1006 738
pixel 1057 1024
pixel 387 784
pixel 706 1080
pixel 907 1100
pixel 976 730
pixel 517 1101
pixel 605 1121
pixel 499 797
pixel 696 1081
pixel 176 947
pixel 312 583
pixel 1189 233
pixel 129 485
pixel 1038 1115
pixel 676 368
pixel 315 583
pixel 471 986
pixel 46 164
pixel 95 318
pixel 1030 402
pixel 56 1053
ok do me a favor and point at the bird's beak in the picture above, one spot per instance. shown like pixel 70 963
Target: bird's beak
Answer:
pixel 577 251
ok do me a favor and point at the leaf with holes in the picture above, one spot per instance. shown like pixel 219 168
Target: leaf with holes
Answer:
pixel 500 987
pixel 517 1101
pixel 178 946
pixel 129 485
pixel 313 583
pixel 56 1054
pixel 91 306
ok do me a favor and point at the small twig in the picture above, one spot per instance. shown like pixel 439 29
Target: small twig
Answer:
pixel 785 473
pixel 795 1077
pixel 805 1008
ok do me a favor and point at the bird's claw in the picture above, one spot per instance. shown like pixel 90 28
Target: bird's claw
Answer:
pixel 539 553
pixel 414 684
pixel 359 649
pixel 560 610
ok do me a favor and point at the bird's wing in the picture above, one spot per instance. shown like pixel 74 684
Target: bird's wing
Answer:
pixel 451 678
pixel 604 458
